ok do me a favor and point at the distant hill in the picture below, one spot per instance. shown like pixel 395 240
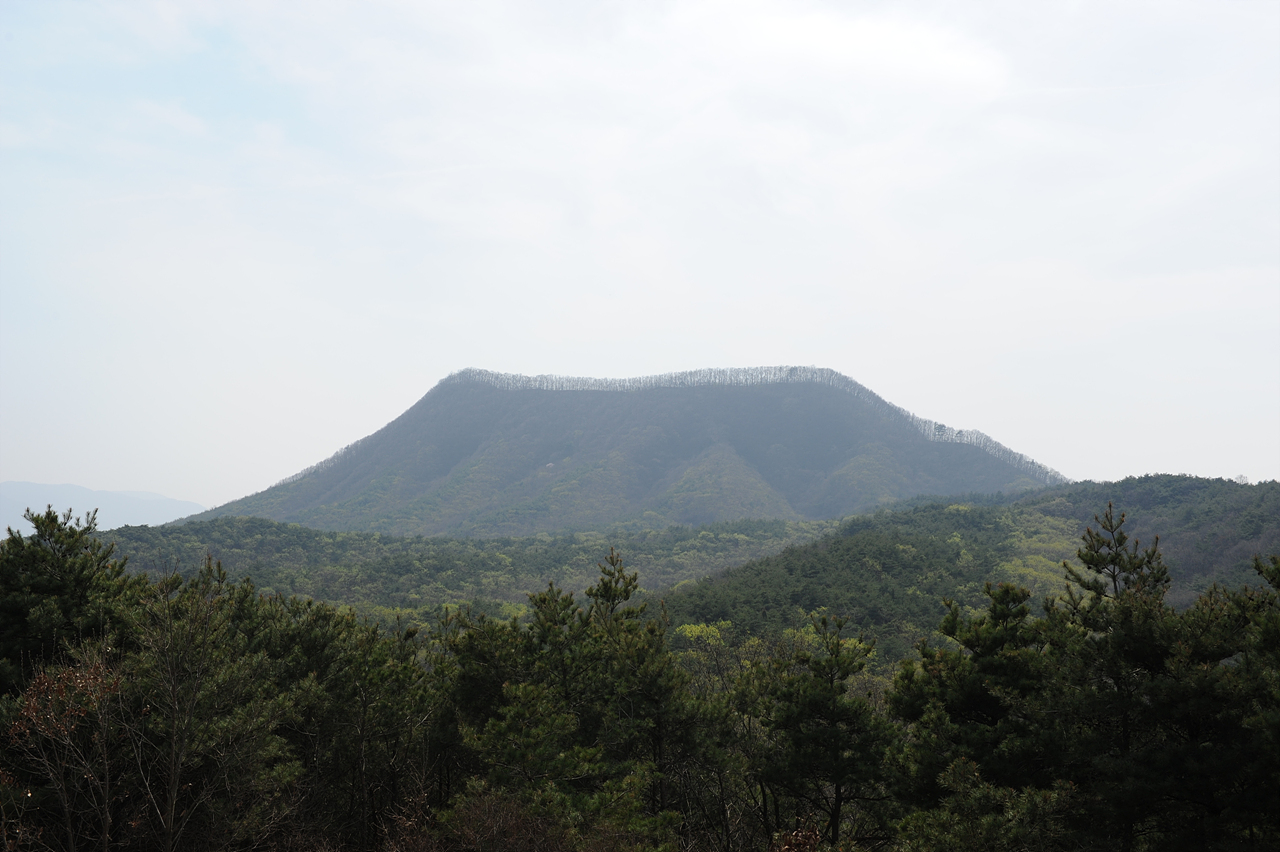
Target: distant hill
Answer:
pixel 1209 529
pixel 115 508
pixel 888 571
pixel 490 454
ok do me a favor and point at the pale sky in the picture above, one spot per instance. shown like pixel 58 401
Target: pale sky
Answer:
pixel 236 236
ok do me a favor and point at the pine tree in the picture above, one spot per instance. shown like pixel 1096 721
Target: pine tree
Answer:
pixel 58 586
pixel 961 703
pixel 1159 727
pixel 827 742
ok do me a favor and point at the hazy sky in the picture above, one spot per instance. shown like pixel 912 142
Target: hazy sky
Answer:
pixel 236 236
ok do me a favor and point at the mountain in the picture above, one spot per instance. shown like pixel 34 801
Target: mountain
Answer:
pixel 115 508
pixel 487 454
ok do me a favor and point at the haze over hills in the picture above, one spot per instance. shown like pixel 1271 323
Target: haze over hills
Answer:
pixel 488 454
pixel 115 508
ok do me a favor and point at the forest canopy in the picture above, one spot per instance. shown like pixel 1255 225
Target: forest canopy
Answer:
pixel 886 571
pixel 196 712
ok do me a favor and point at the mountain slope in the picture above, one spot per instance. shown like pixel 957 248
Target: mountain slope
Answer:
pixel 888 571
pixel 1209 529
pixel 494 454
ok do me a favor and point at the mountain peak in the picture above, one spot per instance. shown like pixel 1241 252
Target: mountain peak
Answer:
pixel 488 453
pixel 751 376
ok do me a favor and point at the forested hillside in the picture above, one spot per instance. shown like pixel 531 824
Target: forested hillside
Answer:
pixel 887 571
pixel 488 454
pixel 198 714
pixel 1209 529
pixel 384 575
pixel 886 574
pixel 930 678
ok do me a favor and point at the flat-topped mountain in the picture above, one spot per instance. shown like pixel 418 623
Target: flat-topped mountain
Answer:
pixel 488 453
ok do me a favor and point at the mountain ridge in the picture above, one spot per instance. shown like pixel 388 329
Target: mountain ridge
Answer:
pixel 740 376
pixel 486 453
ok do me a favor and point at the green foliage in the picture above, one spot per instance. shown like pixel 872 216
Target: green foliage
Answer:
pixel 825 743
pixel 199 713
pixel 1210 529
pixel 208 708
pixel 1138 713
pixel 958 698
pixel 225 717
pixel 885 573
pixel 363 727
pixel 382 576
pixel 1150 707
pixel 59 584
pixel 172 743
pixel 581 709
pixel 978 815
